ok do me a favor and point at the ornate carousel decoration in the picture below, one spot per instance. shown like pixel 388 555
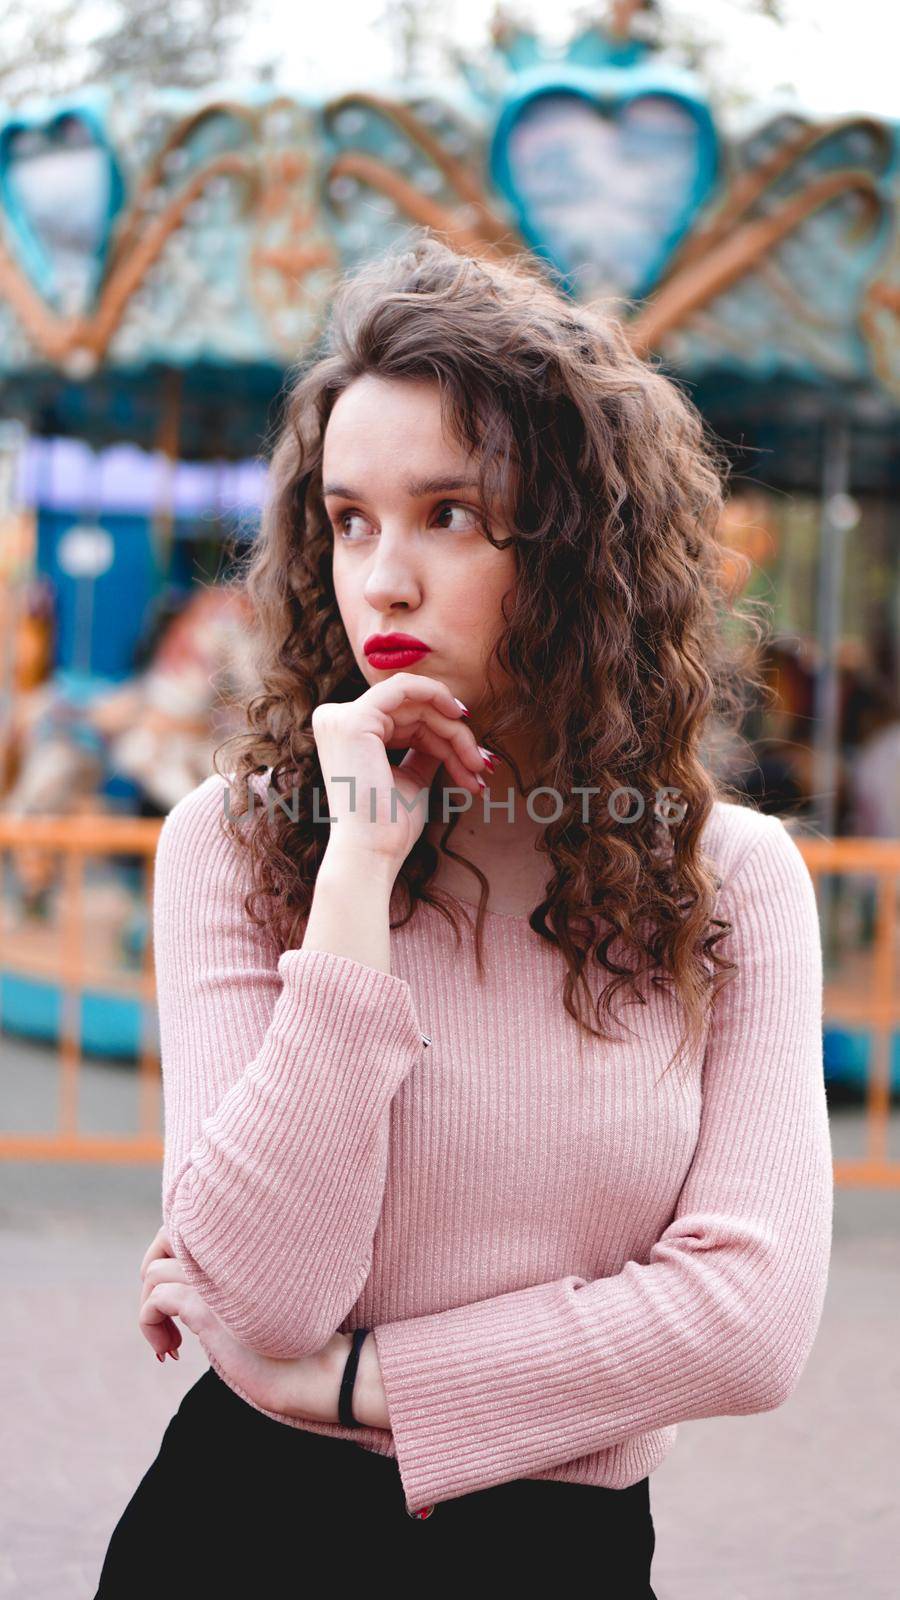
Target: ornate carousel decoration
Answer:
pixel 154 231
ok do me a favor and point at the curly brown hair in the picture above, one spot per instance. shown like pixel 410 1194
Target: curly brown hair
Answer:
pixel 623 639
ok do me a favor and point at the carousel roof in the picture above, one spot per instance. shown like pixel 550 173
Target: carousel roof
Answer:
pixel 168 256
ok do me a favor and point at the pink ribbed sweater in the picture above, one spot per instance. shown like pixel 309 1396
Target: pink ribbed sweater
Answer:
pixel 560 1257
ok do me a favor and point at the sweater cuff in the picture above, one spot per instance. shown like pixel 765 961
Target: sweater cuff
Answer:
pixel 350 1004
pixel 456 1429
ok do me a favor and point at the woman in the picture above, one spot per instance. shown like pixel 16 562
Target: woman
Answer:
pixel 565 1229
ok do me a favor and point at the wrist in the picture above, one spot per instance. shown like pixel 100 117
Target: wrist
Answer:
pixel 369 1404
pixel 369 1399
pixel 332 1361
pixel 309 1385
pixel 349 865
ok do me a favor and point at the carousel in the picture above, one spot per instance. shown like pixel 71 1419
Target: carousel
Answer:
pixel 165 259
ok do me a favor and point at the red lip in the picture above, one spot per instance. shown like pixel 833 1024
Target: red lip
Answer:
pixel 377 643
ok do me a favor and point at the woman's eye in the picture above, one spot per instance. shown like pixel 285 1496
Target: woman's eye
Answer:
pixel 342 520
pixel 469 515
pixel 466 511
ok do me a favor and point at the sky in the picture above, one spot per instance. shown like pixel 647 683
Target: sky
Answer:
pixel 834 56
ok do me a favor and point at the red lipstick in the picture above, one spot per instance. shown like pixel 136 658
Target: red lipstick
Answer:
pixel 388 651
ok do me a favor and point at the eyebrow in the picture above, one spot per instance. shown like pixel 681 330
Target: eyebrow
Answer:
pixel 417 487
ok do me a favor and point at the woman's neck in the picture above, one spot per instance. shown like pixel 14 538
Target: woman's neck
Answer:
pixel 499 836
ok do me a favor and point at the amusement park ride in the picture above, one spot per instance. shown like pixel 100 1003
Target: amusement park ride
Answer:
pixel 165 258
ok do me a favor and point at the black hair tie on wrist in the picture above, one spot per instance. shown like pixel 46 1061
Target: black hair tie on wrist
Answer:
pixel 345 1398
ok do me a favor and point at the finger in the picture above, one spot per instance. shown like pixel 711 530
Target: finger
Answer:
pixel 152 1252
pixel 407 692
pixel 390 693
pixel 164 1337
pixel 159 1329
pixel 458 736
pixel 428 749
pixel 165 1269
pixel 175 1300
pixel 160 1245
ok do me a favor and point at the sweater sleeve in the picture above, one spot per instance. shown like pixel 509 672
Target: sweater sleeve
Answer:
pixel 721 1318
pixel 278 1073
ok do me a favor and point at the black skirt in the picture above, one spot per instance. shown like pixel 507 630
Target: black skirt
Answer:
pixel 236 1503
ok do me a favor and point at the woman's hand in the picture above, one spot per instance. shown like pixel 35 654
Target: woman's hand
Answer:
pixel 304 1386
pixel 352 740
pixel 163 1335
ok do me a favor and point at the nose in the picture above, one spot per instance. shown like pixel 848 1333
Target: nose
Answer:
pixel 392 579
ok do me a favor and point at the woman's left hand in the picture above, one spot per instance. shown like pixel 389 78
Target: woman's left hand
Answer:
pixel 303 1386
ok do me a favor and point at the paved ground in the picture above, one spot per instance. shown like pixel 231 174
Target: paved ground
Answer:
pixel 794 1504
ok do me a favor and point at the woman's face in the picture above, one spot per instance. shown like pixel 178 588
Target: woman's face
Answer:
pixel 409 552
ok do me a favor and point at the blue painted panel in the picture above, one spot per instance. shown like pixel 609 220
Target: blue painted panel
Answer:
pixel 848 1057
pixel 110 1024
pixel 99 620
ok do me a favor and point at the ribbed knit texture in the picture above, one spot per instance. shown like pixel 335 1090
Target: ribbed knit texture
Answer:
pixel 562 1253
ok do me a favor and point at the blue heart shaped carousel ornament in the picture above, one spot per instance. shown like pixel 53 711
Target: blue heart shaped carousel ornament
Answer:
pixel 62 189
pixel 605 172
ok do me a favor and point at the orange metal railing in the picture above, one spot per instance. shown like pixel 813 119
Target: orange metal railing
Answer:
pixel 866 998
pixel 869 999
pixel 70 962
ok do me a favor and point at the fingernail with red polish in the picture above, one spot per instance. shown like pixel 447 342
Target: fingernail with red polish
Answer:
pixel 160 1355
pixel 462 708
